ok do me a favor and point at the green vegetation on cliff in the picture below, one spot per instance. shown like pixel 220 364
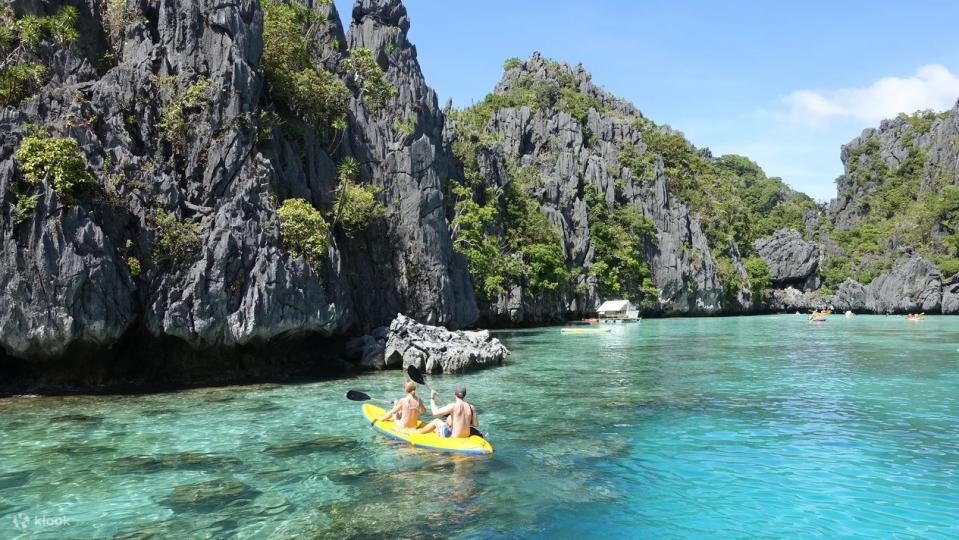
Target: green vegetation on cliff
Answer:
pixel 731 194
pixel 354 205
pixel 57 160
pixel 620 235
pixel 175 240
pixel 176 116
pixel 303 231
pixel 21 73
pixel 375 88
pixel 895 209
pixel 558 91
pixel 503 235
pixel 61 28
pixel 291 77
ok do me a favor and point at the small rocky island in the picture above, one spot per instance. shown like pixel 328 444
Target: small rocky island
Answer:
pixel 430 349
pixel 197 192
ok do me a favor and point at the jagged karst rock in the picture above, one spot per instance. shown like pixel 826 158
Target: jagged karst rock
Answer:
pixel 63 275
pixel 240 308
pixel 791 260
pixel 569 155
pixel 416 270
pixel 850 296
pixel 950 295
pixel 368 351
pixel 913 284
pixel 438 350
pixel 791 299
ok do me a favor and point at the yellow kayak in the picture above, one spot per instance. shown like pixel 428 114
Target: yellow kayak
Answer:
pixel 473 445
pixel 583 331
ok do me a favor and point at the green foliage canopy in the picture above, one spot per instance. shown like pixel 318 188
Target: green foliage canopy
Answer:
pixel 57 160
pixel 175 239
pixel 375 88
pixel 303 231
pixel 291 77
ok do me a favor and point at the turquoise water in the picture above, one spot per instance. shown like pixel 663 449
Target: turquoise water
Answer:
pixel 678 428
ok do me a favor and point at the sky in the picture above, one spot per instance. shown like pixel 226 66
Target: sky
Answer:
pixel 785 84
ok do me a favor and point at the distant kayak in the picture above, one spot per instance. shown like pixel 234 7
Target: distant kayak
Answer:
pixel 473 445
pixel 591 330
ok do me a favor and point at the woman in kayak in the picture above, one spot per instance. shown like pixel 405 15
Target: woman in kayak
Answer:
pixel 461 416
pixel 406 412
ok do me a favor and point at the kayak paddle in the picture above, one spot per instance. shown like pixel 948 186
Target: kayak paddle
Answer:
pixel 356 395
pixel 417 376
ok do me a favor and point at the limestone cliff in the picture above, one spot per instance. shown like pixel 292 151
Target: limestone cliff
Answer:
pixel 83 280
pixel 147 151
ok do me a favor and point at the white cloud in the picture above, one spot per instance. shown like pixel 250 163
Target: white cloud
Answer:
pixel 932 87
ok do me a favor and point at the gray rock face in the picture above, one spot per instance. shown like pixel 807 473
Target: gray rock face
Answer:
pixel 416 271
pixel 914 284
pixel 792 261
pixel 791 299
pixel 437 350
pixel 850 296
pixel 950 295
pixel 893 141
pixel 569 156
pixel 368 351
pixel 64 278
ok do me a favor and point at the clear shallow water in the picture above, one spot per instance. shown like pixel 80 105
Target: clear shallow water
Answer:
pixel 677 428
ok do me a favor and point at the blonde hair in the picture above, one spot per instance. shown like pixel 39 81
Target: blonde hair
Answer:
pixel 410 387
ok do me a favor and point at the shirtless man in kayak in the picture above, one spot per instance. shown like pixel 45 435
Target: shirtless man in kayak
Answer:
pixel 461 416
pixel 406 411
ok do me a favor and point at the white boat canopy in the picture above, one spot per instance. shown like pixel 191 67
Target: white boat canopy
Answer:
pixel 615 306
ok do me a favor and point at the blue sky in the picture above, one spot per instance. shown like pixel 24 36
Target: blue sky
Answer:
pixel 783 83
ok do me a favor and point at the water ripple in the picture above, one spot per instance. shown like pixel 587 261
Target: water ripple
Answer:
pixel 681 428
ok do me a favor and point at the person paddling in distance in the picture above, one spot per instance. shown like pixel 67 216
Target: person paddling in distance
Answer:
pixel 461 416
pixel 406 411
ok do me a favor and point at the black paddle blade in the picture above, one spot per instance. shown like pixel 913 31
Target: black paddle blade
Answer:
pixel 478 433
pixel 415 374
pixel 356 395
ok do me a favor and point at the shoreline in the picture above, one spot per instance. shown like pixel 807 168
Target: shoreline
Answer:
pixel 284 362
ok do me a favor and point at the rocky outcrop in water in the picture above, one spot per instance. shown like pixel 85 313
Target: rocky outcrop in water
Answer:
pixel 433 349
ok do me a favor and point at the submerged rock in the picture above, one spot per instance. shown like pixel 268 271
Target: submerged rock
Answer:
pixel 14 479
pixel 437 350
pixel 79 418
pixel 209 496
pixel 321 444
pixel 176 461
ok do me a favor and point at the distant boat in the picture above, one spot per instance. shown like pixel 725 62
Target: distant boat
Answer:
pixel 586 331
pixel 612 311
pixel 849 314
